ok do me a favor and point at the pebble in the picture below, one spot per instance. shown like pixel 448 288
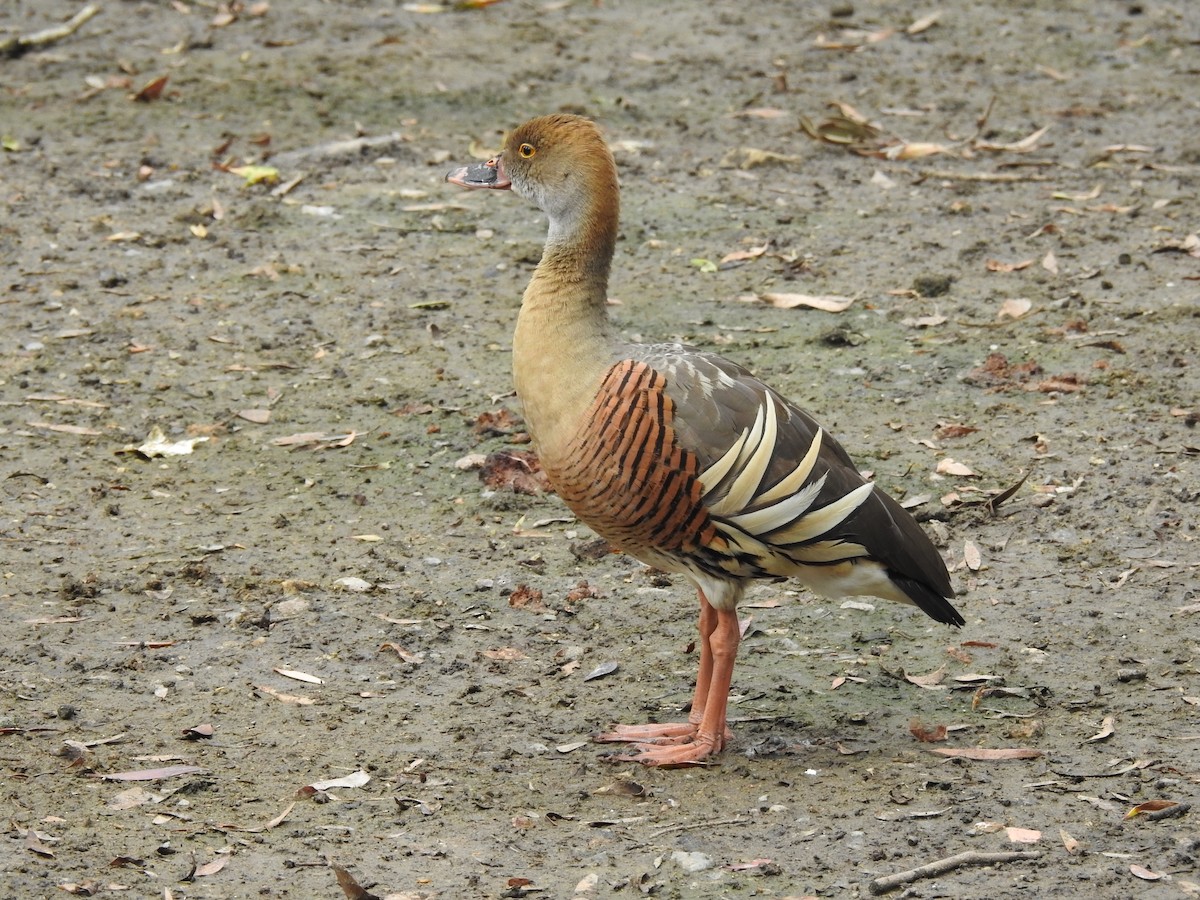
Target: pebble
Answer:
pixel 692 862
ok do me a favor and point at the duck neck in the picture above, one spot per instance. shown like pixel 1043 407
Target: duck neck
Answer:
pixel 569 289
pixel 563 340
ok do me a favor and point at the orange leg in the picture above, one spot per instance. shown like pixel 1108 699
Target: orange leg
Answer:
pixel 705 732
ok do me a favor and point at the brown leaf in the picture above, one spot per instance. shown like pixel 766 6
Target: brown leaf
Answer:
pixel 1069 843
pixel 515 470
pixel 622 787
pixel 934 735
pixel 212 867
pixel 825 303
pixel 34 843
pixel 924 23
pixel 985 754
pixel 525 597
pixel 414 658
pixel 1107 729
pixel 152 90
pixel 1189 245
pixel 1022 835
pixel 1150 806
pixel 413 408
pixel 351 888
pixel 766 112
pixel 742 255
pixel 582 591
pixel 947 430
pixel 947 466
pixel 1145 874
pixel 972 556
pixel 914 150
pixel 1058 384
pixel 498 423
pixel 1014 308
pixel 994 265
pixel 293 699
pixel 930 681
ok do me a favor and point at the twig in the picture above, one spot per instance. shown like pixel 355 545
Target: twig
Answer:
pixel 1169 812
pixel 886 883
pixel 690 825
pixel 1001 177
pixel 16 46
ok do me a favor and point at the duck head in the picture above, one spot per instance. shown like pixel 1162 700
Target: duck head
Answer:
pixel 559 162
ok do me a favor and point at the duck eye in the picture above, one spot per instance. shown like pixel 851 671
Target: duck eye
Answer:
pixel 527 151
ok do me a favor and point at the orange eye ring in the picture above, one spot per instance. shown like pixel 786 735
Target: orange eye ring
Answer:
pixel 527 151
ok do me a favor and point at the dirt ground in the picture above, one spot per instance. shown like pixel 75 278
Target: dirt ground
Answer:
pixel 336 344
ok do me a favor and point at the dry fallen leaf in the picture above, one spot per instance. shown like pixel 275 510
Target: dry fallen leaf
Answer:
pixel 211 868
pixel 1150 806
pixel 414 658
pixel 1145 874
pixel 1107 728
pixel 351 888
pixel 930 681
pixel 1023 835
pixel 741 255
pixel 994 265
pixel 972 556
pixel 293 699
pixel 914 150
pixel 924 23
pixel 606 668
pixel 926 735
pixel 947 466
pixel 353 780
pixel 298 676
pixel 156 444
pixel 824 303
pixel 152 90
pixel 1014 308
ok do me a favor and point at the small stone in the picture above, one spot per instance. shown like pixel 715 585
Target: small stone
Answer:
pixel 692 862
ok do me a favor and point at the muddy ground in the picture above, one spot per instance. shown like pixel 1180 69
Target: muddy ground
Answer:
pixel 149 603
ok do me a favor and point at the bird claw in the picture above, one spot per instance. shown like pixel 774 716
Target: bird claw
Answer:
pixel 655 733
pixel 694 753
pixel 666 745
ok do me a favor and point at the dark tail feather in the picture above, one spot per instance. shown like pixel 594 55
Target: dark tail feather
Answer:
pixel 934 605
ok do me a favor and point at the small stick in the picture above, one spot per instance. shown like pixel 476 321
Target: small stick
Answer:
pixel 690 825
pixel 15 46
pixel 1169 812
pixel 997 177
pixel 885 883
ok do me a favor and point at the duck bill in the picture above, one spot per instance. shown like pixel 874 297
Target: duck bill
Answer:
pixel 488 174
